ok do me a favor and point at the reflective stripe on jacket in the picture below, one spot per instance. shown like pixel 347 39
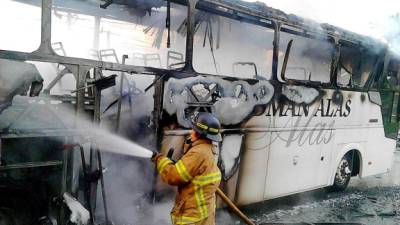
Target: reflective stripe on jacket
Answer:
pixel 197 177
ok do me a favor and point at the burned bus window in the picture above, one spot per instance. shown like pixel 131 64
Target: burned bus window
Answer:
pixel 127 110
pixel 20 31
pixel 107 34
pixel 309 59
pixel 349 61
pixel 392 74
pixel 355 67
pixel 221 48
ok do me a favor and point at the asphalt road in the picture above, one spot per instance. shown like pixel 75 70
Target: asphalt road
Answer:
pixel 373 200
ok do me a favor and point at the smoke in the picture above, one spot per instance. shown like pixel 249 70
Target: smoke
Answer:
pixel 128 185
pixel 39 115
pixel 135 112
pixel 104 139
pixel 140 4
pixel 392 32
pixel 377 19
pixel 129 180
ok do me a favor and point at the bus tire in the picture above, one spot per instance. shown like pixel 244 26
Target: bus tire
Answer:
pixel 342 175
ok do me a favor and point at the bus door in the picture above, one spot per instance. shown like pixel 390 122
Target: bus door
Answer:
pixel 389 91
pixel 381 142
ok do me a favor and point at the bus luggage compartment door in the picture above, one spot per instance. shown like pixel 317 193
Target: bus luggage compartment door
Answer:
pixel 297 166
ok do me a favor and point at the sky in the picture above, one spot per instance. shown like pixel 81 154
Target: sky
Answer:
pixel 367 17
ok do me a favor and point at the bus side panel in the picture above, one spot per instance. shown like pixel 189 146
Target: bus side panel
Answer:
pixel 380 149
pixel 351 131
pixel 378 158
pixel 363 131
pixel 304 151
pixel 292 168
pixel 253 170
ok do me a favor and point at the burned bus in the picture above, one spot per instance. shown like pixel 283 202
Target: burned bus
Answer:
pixel 303 105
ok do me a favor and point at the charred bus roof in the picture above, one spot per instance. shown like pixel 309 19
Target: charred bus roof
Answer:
pixel 260 13
pixel 251 12
pixel 302 26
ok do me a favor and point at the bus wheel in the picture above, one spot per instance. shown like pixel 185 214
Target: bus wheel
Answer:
pixel 343 174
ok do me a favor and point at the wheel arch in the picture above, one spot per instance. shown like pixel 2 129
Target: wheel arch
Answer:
pixel 357 162
pixel 357 153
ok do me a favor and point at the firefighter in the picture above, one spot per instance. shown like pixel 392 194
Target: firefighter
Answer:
pixel 196 173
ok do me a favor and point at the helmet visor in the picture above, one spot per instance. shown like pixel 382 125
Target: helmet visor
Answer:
pixel 214 137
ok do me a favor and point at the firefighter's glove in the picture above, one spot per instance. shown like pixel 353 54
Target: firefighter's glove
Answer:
pixel 155 157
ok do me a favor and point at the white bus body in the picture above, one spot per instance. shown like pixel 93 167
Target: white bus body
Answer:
pixel 293 148
pixel 288 152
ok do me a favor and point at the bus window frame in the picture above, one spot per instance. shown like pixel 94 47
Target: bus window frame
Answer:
pixel 384 73
pixel 119 57
pixel 375 83
pixel 310 35
pixel 368 85
pixel 46 53
pixel 246 18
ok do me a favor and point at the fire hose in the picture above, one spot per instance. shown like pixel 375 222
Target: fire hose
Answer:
pixel 234 208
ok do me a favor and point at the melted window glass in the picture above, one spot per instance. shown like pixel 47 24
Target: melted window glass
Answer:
pixel 20 23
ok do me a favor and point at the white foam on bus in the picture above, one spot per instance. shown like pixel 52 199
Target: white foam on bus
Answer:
pixel 230 108
pixel 230 151
pixel 300 94
pixel 79 215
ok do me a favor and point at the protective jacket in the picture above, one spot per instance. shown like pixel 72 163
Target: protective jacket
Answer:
pixel 197 177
